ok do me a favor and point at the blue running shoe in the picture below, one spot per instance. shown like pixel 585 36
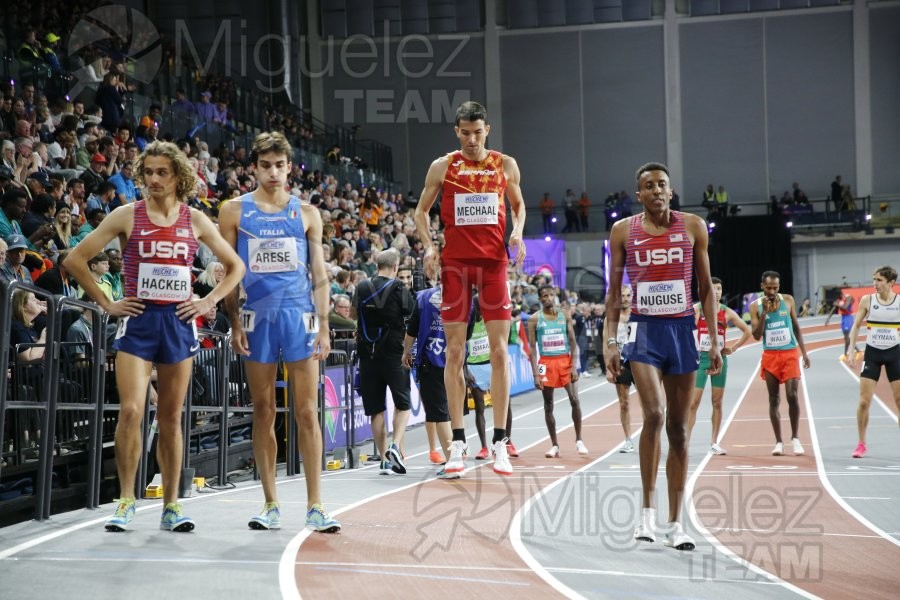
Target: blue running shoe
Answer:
pixel 396 458
pixel 123 515
pixel 173 520
pixel 319 520
pixel 269 518
pixel 385 468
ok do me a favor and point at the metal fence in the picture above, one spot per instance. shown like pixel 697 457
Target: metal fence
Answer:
pixel 63 407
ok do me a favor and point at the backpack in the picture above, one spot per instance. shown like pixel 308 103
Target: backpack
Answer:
pixel 370 310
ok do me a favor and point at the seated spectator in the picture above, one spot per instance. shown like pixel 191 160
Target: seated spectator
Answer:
pixel 95 216
pixel 40 217
pixel 62 224
pixel 126 192
pixel 105 193
pixel 209 278
pixel 26 309
pixel 339 316
pixel 214 321
pixel 114 275
pixel 99 266
pixel 95 174
pixel 55 280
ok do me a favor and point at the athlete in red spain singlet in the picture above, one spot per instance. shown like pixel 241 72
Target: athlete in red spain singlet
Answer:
pixel 159 237
pixel 474 183
pixel 660 248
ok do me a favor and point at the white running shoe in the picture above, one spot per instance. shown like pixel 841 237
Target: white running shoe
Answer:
pixel 553 452
pixel 677 538
pixel 717 450
pixel 456 464
pixel 778 450
pixel 502 466
pixel 627 447
pixel 585 374
pixel 646 529
pixel 797 447
pixel 581 448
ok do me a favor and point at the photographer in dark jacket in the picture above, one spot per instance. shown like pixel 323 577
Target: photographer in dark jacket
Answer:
pixel 381 306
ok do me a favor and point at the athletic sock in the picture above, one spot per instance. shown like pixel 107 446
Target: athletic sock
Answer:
pixel 499 434
pixel 459 435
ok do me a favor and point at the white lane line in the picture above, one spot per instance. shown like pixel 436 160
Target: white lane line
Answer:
pixel 287 581
pixel 695 518
pixel 515 527
pixel 406 573
pixel 820 466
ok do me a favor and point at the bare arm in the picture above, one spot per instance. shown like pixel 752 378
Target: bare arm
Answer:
pixel 229 220
pixel 312 220
pixel 756 323
pixel 532 335
pixel 861 314
pixel 618 235
pixel 735 319
pixel 433 182
pixel 570 329
pixel 697 228
pixel 517 204
pixel 118 223
pixel 208 234
pixel 796 326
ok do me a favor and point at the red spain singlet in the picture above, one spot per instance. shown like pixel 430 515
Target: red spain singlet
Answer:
pixel 660 268
pixel 703 330
pixel 157 260
pixel 473 208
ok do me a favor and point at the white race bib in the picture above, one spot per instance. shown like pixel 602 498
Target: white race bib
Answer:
pixel 553 343
pixel 883 338
pixel 272 255
pixel 779 336
pixel 481 347
pixel 706 346
pixel 476 209
pixel 658 298
pixel 167 283
pixel 311 322
pixel 248 320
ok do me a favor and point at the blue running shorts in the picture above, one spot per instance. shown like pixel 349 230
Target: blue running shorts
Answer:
pixel 280 333
pixel 157 335
pixel 666 343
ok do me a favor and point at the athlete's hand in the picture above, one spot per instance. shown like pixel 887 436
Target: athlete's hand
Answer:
pixel 518 244
pixel 191 309
pixel 806 362
pixel 715 361
pixel 727 351
pixel 239 341
pixel 850 357
pixel 573 374
pixel 613 363
pixel 770 304
pixel 322 344
pixel 538 383
pixel 126 307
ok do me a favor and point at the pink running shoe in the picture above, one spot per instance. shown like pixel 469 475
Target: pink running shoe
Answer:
pixel 860 451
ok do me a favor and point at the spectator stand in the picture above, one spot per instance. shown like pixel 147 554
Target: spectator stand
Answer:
pixel 66 408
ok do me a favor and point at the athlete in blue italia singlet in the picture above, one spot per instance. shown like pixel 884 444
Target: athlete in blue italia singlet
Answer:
pixel 156 315
pixel 285 318
pixel 660 248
